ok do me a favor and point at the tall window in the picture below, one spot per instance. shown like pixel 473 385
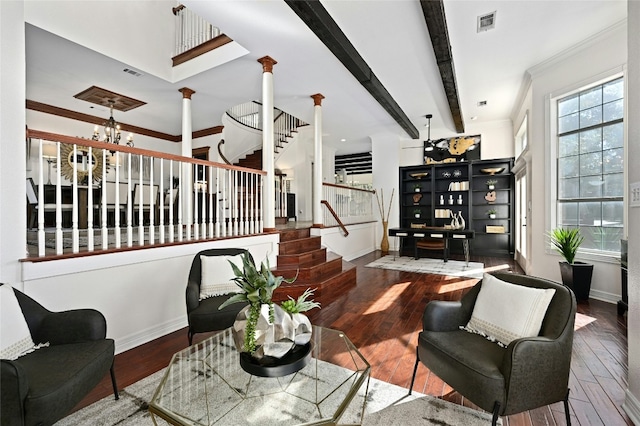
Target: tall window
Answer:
pixel 590 164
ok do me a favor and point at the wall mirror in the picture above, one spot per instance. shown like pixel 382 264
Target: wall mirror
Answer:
pixel 84 160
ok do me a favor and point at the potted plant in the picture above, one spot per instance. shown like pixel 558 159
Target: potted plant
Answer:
pixel 492 213
pixel 264 329
pixel 417 187
pixel 575 275
pixel 416 213
pixel 491 183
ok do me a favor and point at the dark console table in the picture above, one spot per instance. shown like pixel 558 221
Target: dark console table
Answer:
pixel 435 233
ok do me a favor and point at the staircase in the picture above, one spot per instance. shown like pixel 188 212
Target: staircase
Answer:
pixel 327 273
pixel 251 161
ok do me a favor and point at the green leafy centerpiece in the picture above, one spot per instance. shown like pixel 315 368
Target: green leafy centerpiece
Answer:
pixel 263 329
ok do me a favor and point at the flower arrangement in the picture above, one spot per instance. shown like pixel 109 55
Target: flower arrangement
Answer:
pixel 257 286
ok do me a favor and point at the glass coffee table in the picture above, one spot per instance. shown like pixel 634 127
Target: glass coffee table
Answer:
pixel 205 385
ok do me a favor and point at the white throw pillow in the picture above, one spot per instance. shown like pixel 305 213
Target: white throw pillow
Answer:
pixel 217 275
pixel 506 311
pixel 15 337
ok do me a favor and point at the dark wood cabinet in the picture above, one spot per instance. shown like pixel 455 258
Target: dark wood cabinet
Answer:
pixel 430 194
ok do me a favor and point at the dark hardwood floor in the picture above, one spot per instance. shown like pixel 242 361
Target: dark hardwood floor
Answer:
pixel 382 317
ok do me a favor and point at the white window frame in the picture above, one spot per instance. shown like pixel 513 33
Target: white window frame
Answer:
pixel 551 163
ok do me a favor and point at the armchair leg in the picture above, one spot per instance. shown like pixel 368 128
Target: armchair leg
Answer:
pixel 415 369
pixel 566 408
pixel 190 336
pixel 113 383
pixel 496 410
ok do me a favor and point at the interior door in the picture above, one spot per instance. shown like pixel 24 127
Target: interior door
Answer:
pixel 521 219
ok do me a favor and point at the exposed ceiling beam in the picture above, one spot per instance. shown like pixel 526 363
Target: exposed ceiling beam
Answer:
pixel 434 17
pixel 316 17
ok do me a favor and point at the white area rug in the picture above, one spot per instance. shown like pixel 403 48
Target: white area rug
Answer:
pixel 386 404
pixel 430 266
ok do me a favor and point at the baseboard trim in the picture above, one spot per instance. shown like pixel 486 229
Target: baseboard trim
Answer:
pixel 604 296
pixel 631 406
pixel 145 336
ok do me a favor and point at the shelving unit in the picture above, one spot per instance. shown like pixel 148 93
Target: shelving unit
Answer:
pixel 433 191
pixel 498 239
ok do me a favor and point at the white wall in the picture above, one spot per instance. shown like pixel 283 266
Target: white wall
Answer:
pixel 361 240
pixel 632 402
pixel 12 148
pixel 592 60
pixel 141 293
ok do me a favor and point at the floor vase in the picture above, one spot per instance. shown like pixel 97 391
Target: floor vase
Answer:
pixel 384 244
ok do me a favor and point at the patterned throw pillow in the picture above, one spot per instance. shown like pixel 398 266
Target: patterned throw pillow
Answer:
pixel 505 312
pixel 15 337
pixel 217 274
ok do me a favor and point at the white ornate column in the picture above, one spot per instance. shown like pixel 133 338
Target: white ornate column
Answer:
pixel 186 181
pixel 317 161
pixel 269 183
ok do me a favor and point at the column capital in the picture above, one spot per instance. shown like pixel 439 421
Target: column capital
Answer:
pixel 186 92
pixel 267 63
pixel 317 99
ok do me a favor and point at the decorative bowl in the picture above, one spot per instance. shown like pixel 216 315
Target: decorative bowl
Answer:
pixel 492 170
pixel 419 175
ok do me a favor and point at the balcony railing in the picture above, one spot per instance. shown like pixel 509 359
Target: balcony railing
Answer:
pixel 191 30
pixel 351 205
pixel 106 196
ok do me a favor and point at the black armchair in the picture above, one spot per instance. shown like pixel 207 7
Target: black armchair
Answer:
pixel 204 315
pixel 41 387
pixel 530 372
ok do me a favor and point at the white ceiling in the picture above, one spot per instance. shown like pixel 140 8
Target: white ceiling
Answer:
pixel 391 36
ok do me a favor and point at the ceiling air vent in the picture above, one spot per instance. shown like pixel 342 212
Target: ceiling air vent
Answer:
pixel 487 21
pixel 132 72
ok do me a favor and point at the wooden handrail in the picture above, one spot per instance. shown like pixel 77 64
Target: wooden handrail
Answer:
pixel 220 152
pixel 351 188
pixel 335 216
pixel 54 137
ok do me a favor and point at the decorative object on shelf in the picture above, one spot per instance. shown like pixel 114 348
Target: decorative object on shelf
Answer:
pixel 442 200
pixel 263 332
pixel 492 170
pixel 492 213
pixel 494 229
pixel 419 175
pixel 450 199
pixel 82 161
pixel 454 221
pixel 457 173
pixel 384 244
pixel 461 223
pixel 446 174
pixel 417 213
pixel 416 198
pixel 460 199
pixel 417 187
pixel 455 186
pixel 575 275
pixel 490 197
pixel 111 130
pixel 491 184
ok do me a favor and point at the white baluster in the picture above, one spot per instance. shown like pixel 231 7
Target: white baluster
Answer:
pixel 75 233
pixel 183 198
pixel 152 204
pixel 218 202
pixel 41 234
pixel 140 202
pixel 116 212
pixel 129 203
pixel 90 202
pixel 211 203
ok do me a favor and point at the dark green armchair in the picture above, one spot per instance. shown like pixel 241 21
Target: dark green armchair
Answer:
pixel 41 387
pixel 204 315
pixel 530 372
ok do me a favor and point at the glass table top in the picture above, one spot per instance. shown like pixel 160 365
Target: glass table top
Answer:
pixel 205 385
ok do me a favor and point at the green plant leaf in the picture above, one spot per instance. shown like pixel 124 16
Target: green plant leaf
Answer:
pixel 236 298
pixel 566 241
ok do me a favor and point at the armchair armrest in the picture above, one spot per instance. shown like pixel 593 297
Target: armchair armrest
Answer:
pixel 78 325
pixel 442 315
pixel 13 391
pixel 535 368
pixel 193 295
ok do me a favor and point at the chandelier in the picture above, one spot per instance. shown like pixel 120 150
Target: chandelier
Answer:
pixel 111 130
